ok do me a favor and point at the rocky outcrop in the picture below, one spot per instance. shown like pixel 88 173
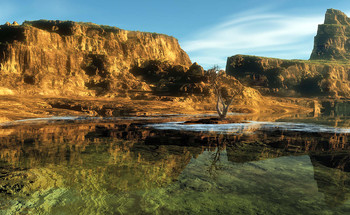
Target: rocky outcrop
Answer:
pixel 195 83
pixel 325 74
pixel 332 41
pixel 49 60
pixel 70 58
pixel 291 77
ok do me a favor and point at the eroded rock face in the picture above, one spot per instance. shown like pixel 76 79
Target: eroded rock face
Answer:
pixel 325 74
pixel 69 58
pixel 194 82
pixel 291 77
pixel 332 41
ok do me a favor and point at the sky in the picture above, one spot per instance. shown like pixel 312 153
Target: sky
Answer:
pixel 209 31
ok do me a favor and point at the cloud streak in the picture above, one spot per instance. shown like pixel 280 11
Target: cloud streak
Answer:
pixel 259 33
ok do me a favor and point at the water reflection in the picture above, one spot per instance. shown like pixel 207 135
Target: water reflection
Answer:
pixel 125 168
pixel 248 127
pixel 332 177
pixel 335 108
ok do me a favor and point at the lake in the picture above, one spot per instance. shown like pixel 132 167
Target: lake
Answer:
pixel 160 165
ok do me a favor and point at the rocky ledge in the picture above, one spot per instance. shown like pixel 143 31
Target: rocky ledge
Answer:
pixel 326 74
pixel 70 58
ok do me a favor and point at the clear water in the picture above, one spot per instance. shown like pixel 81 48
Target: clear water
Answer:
pixel 137 167
pixel 249 127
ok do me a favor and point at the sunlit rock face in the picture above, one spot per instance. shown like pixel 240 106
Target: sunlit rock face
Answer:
pixel 69 58
pixel 332 39
pixel 291 77
pixel 325 74
pixel 175 80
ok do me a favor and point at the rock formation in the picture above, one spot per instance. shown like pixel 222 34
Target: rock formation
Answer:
pixel 325 74
pixel 63 66
pixel 332 41
pixel 70 58
pixel 291 77
pixel 195 83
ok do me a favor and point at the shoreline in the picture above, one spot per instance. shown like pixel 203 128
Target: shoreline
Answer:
pixel 15 108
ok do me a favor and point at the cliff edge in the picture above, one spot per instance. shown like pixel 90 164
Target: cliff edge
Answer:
pixel 84 59
pixel 332 41
pixel 325 74
pixel 272 76
pixel 70 68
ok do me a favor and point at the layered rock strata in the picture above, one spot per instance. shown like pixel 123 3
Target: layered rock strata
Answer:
pixel 291 77
pixel 332 41
pixel 325 74
pixel 70 58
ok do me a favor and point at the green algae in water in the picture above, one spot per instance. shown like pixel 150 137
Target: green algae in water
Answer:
pixel 98 170
pixel 283 185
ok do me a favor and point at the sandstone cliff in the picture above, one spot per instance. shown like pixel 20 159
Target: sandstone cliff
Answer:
pixel 332 41
pixel 325 74
pixel 291 77
pixel 70 58
pixel 60 67
pixel 195 84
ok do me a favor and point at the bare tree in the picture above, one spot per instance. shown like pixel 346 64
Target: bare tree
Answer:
pixel 224 99
pixel 222 106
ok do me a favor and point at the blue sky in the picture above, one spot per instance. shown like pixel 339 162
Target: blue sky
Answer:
pixel 209 31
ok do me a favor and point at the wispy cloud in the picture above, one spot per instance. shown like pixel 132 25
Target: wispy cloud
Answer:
pixel 255 33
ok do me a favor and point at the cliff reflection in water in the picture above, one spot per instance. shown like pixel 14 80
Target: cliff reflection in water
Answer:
pixel 126 168
pixel 85 147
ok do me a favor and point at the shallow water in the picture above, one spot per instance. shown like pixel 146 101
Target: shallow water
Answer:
pixel 125 166
pixel 250 126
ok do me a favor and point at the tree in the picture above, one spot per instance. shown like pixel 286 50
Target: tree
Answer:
pixel 222 106
pixel 222 85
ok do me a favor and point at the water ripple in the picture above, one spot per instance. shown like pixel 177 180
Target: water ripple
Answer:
pixel 249 127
